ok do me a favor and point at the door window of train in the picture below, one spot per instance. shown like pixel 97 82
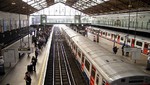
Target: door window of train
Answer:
pixel 97 79
pixel 139 43
pixel 103 82
pixel 79 52
pixel 93 72
pixel 87 65
pixel 83 58
pixel 74 46
pixel 149 46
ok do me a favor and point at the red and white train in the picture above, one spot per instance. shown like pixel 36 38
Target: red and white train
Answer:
pixel 121 38
pixel 99 66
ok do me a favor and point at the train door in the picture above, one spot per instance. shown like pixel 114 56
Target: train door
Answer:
pixel 92 78
pixel 118 39
pixel 145 48
pixel 133 43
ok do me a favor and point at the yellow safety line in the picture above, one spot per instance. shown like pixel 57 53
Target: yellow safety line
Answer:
pixel 39 83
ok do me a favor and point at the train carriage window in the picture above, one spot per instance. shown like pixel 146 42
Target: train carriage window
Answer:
pixel 103 33
pixel 123 80
pixel 108 34
pixel 139 43
pixel 122 38
pixel 87 65
pixel 128 40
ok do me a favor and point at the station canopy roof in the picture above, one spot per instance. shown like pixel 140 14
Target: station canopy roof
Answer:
pixel 90 7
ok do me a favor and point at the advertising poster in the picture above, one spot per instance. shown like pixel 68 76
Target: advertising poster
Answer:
pixel 1 25
pixel 15 24
pixel 4 25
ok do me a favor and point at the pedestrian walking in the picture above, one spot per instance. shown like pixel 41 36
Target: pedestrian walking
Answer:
pixel 123 49
pixel 115 49
pixel 27 78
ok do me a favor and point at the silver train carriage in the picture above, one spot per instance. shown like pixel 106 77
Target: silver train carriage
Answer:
pixel 99 66
pixel 139 42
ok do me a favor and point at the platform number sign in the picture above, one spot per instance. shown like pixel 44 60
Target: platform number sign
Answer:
pixel 43 19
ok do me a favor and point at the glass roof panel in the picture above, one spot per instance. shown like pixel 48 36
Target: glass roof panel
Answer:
pixel 59 9
pixel 38 4
pixel 80 4
pixel 57 1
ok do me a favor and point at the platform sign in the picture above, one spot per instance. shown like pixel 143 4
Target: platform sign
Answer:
pixel 77 19
pixel 25 50
pixel 43 19
pixel 136 53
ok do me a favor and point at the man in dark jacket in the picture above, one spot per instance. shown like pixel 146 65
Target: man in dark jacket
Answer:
pixel 34 60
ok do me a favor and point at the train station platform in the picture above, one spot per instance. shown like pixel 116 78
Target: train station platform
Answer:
pixel 14 74
pixel 107 44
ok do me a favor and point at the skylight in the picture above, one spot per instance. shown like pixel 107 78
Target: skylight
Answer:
pixel 84 4
pixel 38 4
pixel 58 1
pixel 59 9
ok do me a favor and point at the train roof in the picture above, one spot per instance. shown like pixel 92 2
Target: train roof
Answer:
pixel 110 66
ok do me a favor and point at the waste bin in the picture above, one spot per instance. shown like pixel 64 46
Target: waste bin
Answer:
pixel 148 63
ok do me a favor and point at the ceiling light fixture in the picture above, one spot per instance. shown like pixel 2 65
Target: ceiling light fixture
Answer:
pixel 23 7
pixel 13 3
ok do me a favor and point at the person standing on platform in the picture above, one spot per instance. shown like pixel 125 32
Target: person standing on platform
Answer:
pixel 33 61
pixel 27 78
pixel 115 49
pixel 123 49
pixel 94 39
pixel 36 52
pixel 2 69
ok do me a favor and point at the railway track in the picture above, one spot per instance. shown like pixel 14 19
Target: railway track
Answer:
pixel 61 67
pixel 58 69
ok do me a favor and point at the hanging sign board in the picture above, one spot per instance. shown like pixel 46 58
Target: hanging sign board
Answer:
pixel 25 50
pixel 136 53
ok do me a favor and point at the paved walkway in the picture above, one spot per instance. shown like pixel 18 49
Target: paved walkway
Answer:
pixel 15 74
